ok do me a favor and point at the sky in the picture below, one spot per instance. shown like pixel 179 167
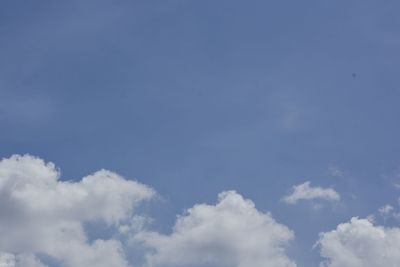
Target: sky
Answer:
pixel 199 133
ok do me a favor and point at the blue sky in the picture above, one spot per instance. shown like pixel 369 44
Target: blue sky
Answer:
pixel 193 98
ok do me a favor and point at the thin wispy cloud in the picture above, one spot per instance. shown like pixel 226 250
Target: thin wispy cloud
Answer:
pixel 334 171
pixel 305 191
pixel 385 210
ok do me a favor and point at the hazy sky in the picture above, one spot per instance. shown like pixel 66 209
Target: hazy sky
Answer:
pixel 294 105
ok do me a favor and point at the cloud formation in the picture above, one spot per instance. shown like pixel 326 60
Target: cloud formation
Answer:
pixel 24 260
pixel 307 192
pixel 231 233
pixel 44 219
pixel 42 215
pixel 359 243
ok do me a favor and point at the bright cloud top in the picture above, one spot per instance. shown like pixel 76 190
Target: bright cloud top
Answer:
pixel 231 233
pixel 307 192
pixel 359 243
pixel 45 215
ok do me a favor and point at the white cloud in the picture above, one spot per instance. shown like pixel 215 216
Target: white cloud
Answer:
pixel 41 214
pixel 231 233
pixel 306 192
pixel 359 243
pixel 23 260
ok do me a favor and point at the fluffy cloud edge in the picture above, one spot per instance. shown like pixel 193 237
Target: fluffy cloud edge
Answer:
pixel 230 233
pixel 47 216
pixel 360 243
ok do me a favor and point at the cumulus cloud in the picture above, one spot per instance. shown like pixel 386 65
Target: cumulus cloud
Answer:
pixel 307 192
pixel 231 233
pixel 360 243
pixel 40 214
